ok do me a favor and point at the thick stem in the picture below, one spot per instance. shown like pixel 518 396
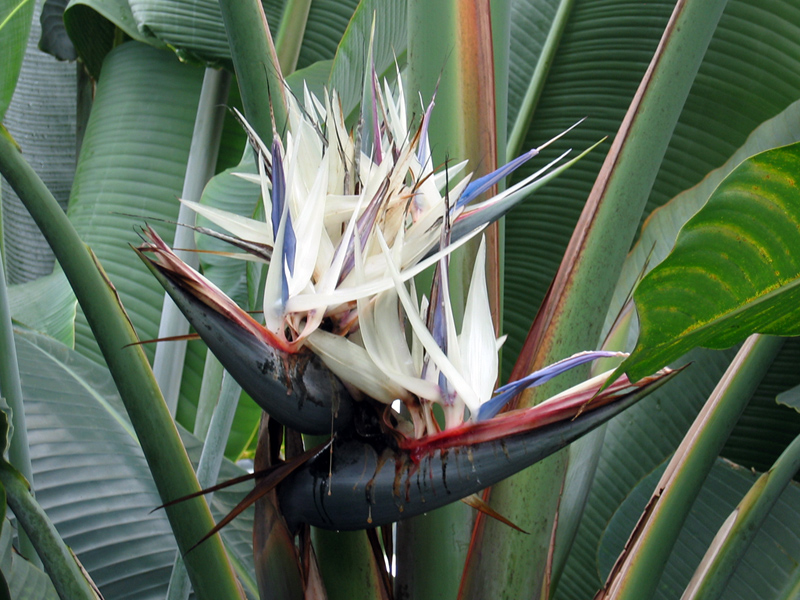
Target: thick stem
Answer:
pixel 11 390
pixel 209 568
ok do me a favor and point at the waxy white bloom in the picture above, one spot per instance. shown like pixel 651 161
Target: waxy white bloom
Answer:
pixel 351 218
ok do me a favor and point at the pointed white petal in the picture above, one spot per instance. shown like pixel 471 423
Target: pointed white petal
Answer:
pixel 478 344
pixel 453 376
pixel 242 227
pixel 351 363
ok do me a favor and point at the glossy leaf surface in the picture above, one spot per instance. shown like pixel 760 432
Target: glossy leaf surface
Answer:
pixel 734 270
pixel 15 25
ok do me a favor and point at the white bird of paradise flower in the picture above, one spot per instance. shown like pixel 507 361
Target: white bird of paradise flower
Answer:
pixel 350 219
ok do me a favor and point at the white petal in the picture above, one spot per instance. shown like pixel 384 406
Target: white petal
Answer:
pixel 455 378
pixel 351 363
pixel 242 227
pixel 478 343
pixel 343 295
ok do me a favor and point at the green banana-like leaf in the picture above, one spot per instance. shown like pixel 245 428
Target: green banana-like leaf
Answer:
pixel 54 39
pixel 347 73
pixel 663 225
pixel 64 569
pixel 94 25
pixel 790 398
pixel 774 551
pixel 636 442
pixel 93 481
pixel 734 270
pixel 536 29
pixel 130 170
pixel 747 445
pixel 24 581
pixel 199 33
pixel 42 119
pixel 15 26
pixel 594 73
pixel 766 427
pixel 763 430
pixel 737 533
pixel 46 305
pixel 602 55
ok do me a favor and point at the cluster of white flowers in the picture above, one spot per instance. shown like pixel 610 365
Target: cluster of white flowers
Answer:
pixel 351 218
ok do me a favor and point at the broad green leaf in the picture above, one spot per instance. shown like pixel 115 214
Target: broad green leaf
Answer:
pixel 130 170
pixel 200 33
pixel 636 442
pixel 790 398
pixel 328 20
pixel 736 535
pixel 347 73
pixel 747 444
pixel 15 26
pixel 746 78
pixel 663 225
pixel 639 569
pixel 94 25
pixel 536 30
pixel 733 271
pixel 766 427
pixel 24 580
pixel 314 76
pixel 42 119
pixel 197 33
pixel 93 481
pixel 763 430
pixel 54 39
pixel 66 574
pixel 46 305
pixel 593 75
pixel 768 570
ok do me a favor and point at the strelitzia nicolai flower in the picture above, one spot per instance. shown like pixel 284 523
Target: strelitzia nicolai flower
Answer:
pixel 350 219
pixel 346 229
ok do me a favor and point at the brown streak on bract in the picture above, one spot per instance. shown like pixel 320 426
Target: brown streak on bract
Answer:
pixel 638 530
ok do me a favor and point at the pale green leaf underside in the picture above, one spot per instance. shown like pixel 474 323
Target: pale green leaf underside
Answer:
pixel 131 172
pixel 46 305
pixel 790 398
pixel 93 480
pixel 25 581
